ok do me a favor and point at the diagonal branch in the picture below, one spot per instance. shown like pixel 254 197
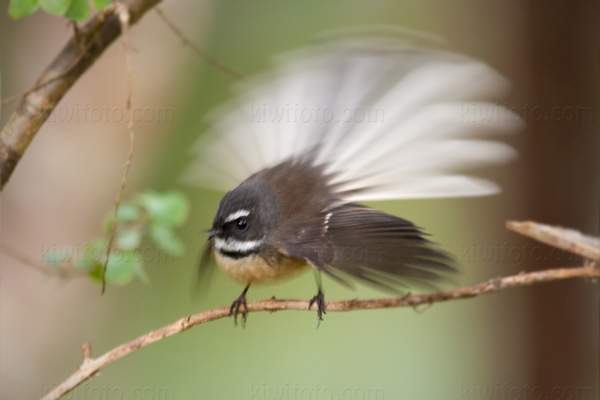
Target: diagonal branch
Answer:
pixel 91 366
pixel 72 62
pixel 562 238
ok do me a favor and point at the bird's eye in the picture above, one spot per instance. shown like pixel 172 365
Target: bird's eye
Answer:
pixel 242 224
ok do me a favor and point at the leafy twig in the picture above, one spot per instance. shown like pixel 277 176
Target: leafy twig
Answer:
pixel 70 64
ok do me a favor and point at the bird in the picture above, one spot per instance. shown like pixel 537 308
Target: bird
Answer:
pixel 361 115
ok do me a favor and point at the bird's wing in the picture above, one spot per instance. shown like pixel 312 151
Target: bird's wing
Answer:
pixel 376 248
pixel 388 120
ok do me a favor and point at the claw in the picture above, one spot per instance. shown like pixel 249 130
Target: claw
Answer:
pixel 235 307
pixel 320 300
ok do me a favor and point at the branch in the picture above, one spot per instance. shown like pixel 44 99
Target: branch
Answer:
pixel 91 366
pixel 72 62
pixel 562 238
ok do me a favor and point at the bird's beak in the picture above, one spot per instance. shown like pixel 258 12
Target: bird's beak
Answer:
pixel 212 234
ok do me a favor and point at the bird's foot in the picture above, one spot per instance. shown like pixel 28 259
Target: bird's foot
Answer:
pixel 320 300
pixel 235 308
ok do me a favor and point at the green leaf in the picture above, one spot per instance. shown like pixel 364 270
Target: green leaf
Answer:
pixel 79 10
pixel 95 252
pixel 22 8
pixel 96 272
pixel 129 239
pixel 126 212
pixel 164 237
pixel 55 7
pixel 121 268
pixel 101 4
pixel 171 208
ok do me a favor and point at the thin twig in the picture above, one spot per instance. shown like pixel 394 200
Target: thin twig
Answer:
pixel 124 19
pixel 21 257
pixel 562 238
pixel 64 272
pixel 90 366
pixel 186 42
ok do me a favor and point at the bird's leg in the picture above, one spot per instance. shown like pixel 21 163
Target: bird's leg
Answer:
pixel 235 306
pixel 319 299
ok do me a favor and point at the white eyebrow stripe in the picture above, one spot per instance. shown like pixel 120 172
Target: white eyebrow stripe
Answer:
pixel 236 246
pixel 235 215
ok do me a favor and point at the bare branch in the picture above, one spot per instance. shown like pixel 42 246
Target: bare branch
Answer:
pixel 91 366
pixel 71 63
pixel 186 42
pixel 562 238
pixel 124 20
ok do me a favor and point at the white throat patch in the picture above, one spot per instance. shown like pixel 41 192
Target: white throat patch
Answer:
pixel 236 246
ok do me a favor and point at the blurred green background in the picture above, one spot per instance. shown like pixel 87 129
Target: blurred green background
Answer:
pixel 515 344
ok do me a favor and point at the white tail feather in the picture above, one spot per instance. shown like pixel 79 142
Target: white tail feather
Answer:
pixel 392 119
